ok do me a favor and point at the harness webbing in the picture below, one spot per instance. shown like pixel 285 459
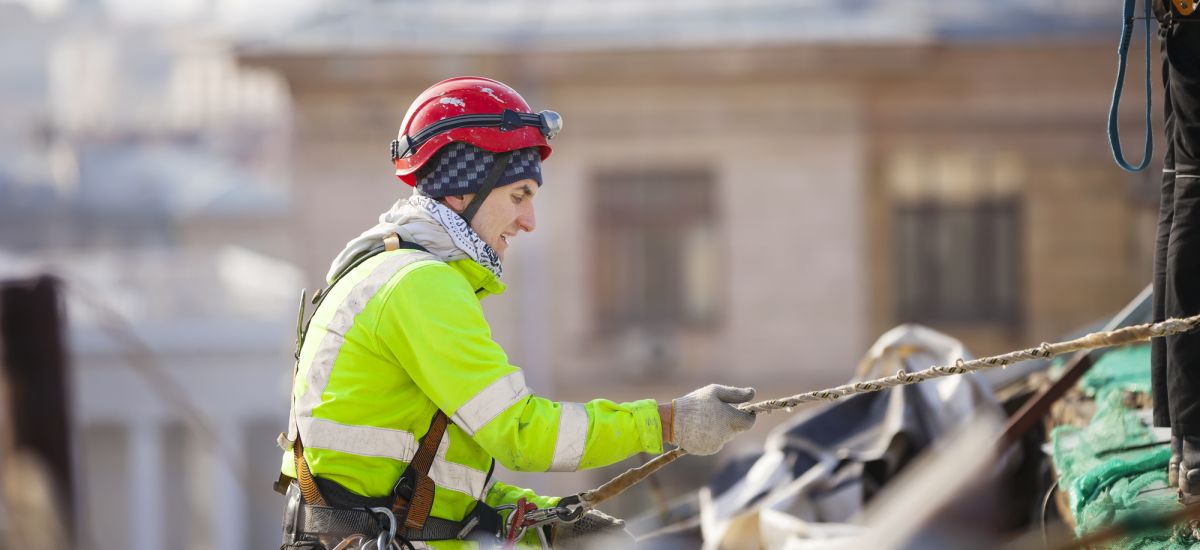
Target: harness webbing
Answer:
pixel 308 487
pixel 416 506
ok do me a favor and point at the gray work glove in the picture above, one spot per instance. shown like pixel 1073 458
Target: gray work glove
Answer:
pixel 706 419
pixel 594 530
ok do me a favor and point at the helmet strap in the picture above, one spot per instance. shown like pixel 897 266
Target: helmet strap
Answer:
pixel 489 183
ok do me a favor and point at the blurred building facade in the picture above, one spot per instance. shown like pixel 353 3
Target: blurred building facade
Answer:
pixel 744 193
pixel 145 168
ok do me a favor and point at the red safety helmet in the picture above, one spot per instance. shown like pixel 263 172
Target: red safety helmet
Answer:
pixel 480 111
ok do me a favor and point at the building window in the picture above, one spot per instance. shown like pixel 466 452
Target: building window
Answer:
pixel 956 237
pixel 655 250
pixel 958 263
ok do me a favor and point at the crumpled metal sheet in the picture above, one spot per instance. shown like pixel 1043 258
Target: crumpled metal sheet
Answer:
pixel 818 471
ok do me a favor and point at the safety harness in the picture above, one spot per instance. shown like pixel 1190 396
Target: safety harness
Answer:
pixel 326 509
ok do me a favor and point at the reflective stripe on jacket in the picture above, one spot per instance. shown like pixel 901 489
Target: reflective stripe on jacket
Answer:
pixel 402 335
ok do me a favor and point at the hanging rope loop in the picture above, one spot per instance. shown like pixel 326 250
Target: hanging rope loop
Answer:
pixel 1114 138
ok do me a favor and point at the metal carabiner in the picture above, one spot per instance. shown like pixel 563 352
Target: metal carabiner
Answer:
pixel 541 533
pixel 515 525
pixel 527 516
pixel 570 509
pixel 385 538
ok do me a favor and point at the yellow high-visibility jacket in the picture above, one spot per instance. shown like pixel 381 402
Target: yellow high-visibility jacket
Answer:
pixel 403 335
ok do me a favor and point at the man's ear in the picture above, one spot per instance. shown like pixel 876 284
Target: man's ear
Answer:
pixel 457 203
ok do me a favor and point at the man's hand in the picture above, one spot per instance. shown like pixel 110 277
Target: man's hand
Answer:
pixel 706 419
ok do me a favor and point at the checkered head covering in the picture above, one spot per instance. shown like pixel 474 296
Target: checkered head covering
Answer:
pixel 460 169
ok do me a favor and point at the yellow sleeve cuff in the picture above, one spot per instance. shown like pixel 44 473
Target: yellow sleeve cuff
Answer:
pixel 649 425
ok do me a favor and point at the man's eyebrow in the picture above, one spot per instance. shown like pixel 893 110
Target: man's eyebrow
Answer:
pixel 526 190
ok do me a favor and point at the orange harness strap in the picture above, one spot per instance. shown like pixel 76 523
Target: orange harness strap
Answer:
pixel 308 487
pixel 422 488
pixel 415 511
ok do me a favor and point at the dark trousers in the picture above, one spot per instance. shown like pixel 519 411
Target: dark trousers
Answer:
pixel 1175 360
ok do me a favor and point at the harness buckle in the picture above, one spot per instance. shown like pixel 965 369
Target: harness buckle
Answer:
pixel 404 488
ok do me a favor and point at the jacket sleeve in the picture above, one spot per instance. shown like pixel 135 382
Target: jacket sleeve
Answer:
pixel 433 324
pixel 503 493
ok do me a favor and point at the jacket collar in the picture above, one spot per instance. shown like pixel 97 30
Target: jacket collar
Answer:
pixel 480 278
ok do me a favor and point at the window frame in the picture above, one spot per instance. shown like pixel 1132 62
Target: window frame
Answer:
pixel 660 206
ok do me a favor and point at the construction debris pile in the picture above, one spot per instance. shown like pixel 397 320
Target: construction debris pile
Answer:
pixel 1115 467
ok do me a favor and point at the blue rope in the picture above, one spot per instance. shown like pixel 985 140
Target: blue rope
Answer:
pixel 1114 140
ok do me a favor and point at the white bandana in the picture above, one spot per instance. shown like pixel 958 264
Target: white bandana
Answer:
pixel 427 222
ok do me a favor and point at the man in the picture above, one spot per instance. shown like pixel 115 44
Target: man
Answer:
pixel 1175 360
pixel 402 401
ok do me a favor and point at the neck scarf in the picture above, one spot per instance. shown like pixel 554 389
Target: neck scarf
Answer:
pixel 427 222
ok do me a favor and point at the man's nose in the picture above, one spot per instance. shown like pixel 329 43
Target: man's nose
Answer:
pixel 527 221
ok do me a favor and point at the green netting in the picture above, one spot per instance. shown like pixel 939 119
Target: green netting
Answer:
pixel 1123 370
pixel 1112 469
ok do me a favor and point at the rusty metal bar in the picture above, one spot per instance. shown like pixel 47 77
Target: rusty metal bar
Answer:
pixel 1037 406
